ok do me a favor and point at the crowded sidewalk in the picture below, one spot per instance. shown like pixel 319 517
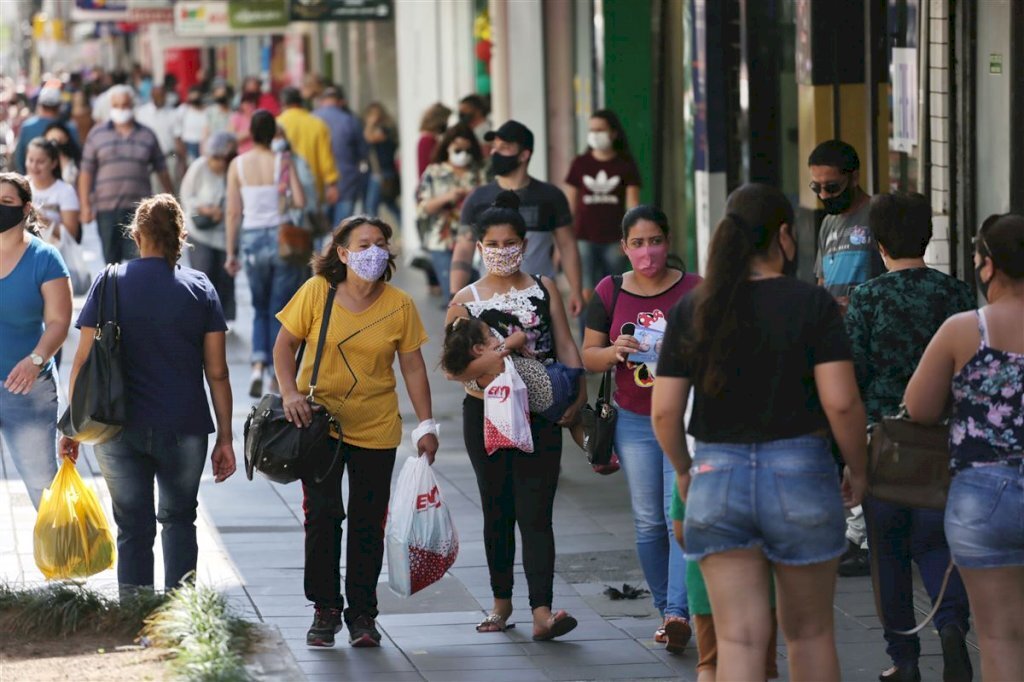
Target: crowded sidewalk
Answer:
pixel 251 538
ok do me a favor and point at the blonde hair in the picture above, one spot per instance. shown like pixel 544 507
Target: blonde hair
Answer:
pixel 161 221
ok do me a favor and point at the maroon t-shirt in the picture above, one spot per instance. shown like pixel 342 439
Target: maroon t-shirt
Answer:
pixel 633 381
pixel 601 195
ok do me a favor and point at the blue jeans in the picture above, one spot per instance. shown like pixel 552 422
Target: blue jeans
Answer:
pixel 372 202
pixel 781 496
pixel 902 534
pixel 442 261
pixel 650 476
pixel 111 225
pixel 129 464
pixel 341 210
pixel 600 260
pixel 272 283
pixel 28 430
pixel 985 516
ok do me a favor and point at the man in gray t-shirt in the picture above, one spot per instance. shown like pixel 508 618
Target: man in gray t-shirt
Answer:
pixel 847 251
pixel 543 206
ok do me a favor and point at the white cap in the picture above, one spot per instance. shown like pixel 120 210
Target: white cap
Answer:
pixel 49 97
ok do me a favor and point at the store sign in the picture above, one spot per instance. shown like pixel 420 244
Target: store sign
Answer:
pixel 201 18
pixel 150 11
pixel 341 10
pixel 904 99
pixel 258 13
pixel 100 10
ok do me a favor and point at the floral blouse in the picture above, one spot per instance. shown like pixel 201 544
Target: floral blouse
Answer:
pixel 988 408
pixel 439 230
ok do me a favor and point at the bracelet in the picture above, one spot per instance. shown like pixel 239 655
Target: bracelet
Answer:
pixel 427 426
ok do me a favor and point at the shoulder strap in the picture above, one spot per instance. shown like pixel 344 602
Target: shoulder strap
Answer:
pixel 982 328
pixel 241 175
pixel 102 294
pixel 540 283
pixel 324 323
pixel 476 294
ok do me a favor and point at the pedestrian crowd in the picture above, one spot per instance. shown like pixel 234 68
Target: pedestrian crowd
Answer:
pixel 742 398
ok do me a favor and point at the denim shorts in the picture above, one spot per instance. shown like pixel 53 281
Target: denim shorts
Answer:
pixel 781 496
pixel 985 517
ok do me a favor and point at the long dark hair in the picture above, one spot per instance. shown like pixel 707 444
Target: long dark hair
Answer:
pixel 71 147
pixel 20 183
pixel 621 143
pixel 459 131
pixel 329 265
pixel 459 339
pixel 754 214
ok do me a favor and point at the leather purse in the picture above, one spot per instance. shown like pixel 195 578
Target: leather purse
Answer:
pixel 599 425
pixel 294 239
pixel 98 408
pixel 277 448
pixel 908 463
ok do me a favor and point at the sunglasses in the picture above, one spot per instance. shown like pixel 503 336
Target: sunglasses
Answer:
pixel 981 246
pixel 828 187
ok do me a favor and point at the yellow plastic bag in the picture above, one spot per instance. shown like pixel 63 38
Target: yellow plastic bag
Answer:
pixel 72 538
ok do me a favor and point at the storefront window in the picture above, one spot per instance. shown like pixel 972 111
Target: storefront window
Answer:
pixel 905 136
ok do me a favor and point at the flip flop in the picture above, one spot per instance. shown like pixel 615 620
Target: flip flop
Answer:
pixel 560 626
pixel 494 623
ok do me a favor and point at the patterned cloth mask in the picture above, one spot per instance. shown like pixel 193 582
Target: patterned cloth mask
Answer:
pixel 503 261
pixel 369 264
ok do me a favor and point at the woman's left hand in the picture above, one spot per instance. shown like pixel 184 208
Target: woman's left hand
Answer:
pixel 22 377
pixel 427 446
pixel 69 449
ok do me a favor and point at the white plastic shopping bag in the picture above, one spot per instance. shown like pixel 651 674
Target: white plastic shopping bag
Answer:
pixel 421 539
pixel 507 412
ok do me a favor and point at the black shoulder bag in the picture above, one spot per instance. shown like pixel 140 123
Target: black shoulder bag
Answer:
pixel 97 409
pixel 277 448
pixel 599 420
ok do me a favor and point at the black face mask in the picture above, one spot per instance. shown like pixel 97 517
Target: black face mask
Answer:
pixel 466 118
pixel 839 203
pixel 983 286
pixel 11 217
pixel 66 149
pixel 223 101
pixel 789 267
pixel 504 164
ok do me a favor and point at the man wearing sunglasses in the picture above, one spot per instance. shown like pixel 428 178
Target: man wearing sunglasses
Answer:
pixel 847 251
pixel 847 257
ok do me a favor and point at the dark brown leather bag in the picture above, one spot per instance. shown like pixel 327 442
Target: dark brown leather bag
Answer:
pixel 908 463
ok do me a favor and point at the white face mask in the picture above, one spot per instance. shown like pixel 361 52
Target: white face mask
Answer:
pixel 121 116
pixel 279 145
pixel 459 159
pixel 599 140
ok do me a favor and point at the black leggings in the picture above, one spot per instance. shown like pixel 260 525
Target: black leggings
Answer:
pixel 516 487
pixel 369 485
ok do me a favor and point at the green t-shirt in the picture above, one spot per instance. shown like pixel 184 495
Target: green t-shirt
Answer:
pixel 696 588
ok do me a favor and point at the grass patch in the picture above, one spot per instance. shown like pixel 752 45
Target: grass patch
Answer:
pixel 64 609
pixel 208 639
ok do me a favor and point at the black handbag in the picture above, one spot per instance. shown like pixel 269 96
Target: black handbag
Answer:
pixel 97 409
pixel 280 450
pixel 599 420
pixel 204 223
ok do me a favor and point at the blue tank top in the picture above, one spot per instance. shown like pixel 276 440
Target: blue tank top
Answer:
pixel 988 408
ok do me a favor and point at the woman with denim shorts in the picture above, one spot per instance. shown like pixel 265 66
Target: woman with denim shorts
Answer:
pixel 647 294
pixel 257 183
pixel 35 313
pixel 172 335
pixel 770 364
pixel 980 356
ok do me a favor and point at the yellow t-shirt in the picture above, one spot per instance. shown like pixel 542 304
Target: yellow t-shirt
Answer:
pixel 357 379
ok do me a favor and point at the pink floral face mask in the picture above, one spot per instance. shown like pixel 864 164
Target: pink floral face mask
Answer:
pixel 503 261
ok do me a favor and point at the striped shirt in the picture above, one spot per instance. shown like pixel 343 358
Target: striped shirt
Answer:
pixel 121 165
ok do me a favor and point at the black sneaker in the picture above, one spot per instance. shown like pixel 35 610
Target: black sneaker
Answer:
pixel 854 563
pixel 326 622
pixel 956 663
pixel 362 632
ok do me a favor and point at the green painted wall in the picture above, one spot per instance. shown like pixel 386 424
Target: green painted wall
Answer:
pixel 628 69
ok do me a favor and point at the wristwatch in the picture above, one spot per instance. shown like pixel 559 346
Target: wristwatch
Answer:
pixel 36 359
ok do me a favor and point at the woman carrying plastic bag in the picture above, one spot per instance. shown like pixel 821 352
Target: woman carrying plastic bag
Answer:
pixel 72 536
pixel 422 542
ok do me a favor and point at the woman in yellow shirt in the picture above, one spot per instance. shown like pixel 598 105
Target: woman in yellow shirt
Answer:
pixel 371 323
